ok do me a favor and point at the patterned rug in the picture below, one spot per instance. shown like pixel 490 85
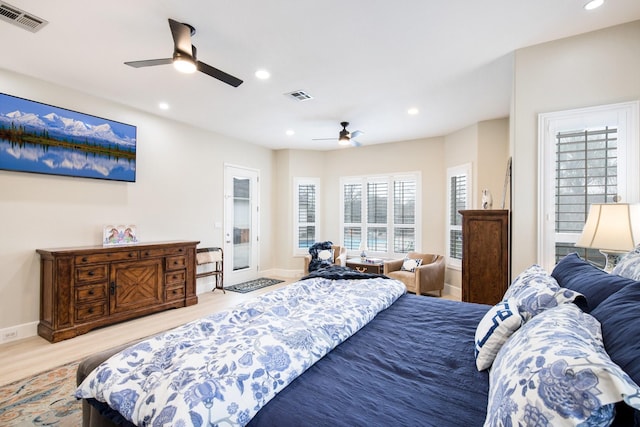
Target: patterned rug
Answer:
pixel 43 400
pixel 252 285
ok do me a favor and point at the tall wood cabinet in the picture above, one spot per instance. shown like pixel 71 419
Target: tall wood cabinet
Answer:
pixel 85 288
pixel 485 255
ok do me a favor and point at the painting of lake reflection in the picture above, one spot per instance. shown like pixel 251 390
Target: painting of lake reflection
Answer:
pixel 41 138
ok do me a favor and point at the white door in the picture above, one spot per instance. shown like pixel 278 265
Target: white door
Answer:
pixel 241 197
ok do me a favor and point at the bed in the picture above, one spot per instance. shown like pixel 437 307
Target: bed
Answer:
pixel 412 360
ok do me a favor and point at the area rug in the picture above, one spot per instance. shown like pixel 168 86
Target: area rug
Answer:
pixel 45 399
pixel 252 285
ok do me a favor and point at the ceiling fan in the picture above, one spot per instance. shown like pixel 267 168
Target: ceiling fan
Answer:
pixel 184 56
pixel 344 136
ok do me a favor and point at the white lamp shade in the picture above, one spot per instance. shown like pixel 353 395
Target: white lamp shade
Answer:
pixel 611 227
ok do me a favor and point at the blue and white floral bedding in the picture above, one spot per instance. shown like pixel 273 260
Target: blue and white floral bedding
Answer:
pixel 221 369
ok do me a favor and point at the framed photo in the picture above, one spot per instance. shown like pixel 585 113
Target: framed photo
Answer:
pixel 41 138
pixel 113 235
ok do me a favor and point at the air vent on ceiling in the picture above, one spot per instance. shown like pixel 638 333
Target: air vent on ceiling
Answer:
pixel 20 18
pixel 299 95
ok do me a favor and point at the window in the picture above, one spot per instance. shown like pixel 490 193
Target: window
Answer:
pixel 586 173
pixel 586 156
pixel 306 221
pixel 380 214
pixel 458 198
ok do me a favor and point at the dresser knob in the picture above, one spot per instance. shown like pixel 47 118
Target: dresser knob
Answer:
pixel 91 273
pixel 90 311
pixel 91 292
pixel 84 259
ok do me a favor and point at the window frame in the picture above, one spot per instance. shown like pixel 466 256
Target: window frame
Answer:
pixel 297 183
pixel 624 116
pixel 453 171
pixel 390 225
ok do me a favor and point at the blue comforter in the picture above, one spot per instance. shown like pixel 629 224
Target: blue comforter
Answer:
pixel 220 370
pixel 413 365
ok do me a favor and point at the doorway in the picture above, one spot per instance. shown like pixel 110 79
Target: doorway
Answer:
pixel 241 234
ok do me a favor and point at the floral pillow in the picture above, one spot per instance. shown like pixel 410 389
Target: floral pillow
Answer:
pixel 554 371
pixel 410 264
pixel 494 329
pixel 534 291
pixel 629 266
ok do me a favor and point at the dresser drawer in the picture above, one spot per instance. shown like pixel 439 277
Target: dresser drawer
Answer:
pixel 176 262
pixel 106 257
pixel 93 292
pixel 88 312
pixel 173 278
pixel 91 273
pixel 152 253
pixel 175 293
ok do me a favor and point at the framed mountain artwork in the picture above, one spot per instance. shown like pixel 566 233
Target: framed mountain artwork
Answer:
pixel 41 138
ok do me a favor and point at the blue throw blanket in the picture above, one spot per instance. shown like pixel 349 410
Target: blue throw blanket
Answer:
pixel 220 370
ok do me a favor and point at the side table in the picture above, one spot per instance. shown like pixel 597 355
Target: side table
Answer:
pixel 373 266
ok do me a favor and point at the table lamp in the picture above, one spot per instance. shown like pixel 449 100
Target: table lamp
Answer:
pixel 613 229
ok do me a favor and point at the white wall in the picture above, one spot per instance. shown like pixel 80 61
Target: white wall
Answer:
pixel 597 68
pixel 177 195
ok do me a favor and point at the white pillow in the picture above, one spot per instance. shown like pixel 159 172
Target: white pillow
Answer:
pixel 326 255
pixel 411 264
pixel 494 329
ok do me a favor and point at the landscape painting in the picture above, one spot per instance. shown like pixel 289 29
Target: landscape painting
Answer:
pixel 41 138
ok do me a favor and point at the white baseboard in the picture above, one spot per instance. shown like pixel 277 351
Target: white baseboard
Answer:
pixel 18 332
pixel 454 291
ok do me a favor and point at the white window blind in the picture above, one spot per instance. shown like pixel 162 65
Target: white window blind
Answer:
pixel 458 198
pixel 386 216
pixel 305 214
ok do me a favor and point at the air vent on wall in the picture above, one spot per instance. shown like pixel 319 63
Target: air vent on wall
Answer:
pixel 299 95
pixel 20 18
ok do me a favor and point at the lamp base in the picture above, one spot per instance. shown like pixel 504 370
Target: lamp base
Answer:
pixel 612 257
pixel 363 255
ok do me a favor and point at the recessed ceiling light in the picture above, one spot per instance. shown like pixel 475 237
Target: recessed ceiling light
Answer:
pixel 593 4
pixel 412 111
pixel 263 74
pixel 290 132
pixel 163 106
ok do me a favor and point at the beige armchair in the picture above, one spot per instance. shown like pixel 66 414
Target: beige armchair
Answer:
pixel 428 277
pixel 339 258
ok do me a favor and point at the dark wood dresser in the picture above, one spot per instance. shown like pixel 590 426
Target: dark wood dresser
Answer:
pixel 485 255
pixel 85 288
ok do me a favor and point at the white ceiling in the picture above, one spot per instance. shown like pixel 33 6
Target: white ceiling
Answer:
pixel 363 61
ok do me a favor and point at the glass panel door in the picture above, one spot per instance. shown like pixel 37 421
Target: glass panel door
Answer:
pixel 241 224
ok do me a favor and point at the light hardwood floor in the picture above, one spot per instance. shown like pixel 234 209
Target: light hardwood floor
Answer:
pixel 29 356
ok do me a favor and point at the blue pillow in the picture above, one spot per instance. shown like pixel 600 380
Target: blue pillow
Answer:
pixel 619 317
pixel 574 273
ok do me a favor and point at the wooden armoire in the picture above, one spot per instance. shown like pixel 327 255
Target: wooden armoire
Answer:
pixel 485 255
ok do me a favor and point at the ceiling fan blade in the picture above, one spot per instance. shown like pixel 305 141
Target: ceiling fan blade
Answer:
pixel 356 133
pixel 181 34
pixel 218 74
pixel 149 62
pixel 355 143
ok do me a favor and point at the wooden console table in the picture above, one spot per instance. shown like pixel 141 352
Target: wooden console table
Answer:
pixel 85 288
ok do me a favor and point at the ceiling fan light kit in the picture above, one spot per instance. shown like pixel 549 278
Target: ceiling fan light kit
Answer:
pixel 184 63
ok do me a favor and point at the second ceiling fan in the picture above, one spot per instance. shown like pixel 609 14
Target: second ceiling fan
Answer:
pixel 184 56
pixel 345 137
